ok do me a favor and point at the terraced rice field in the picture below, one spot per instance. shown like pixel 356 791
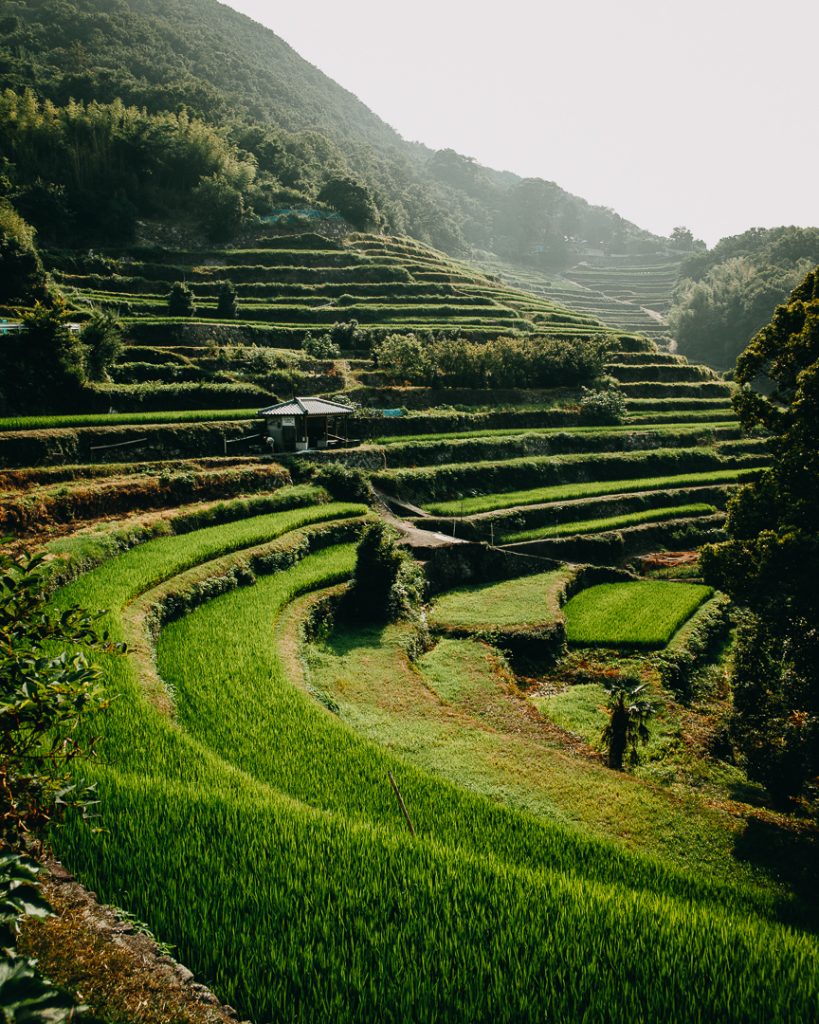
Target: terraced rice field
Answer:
pixel 631 294
pixel 256 830
pixel 388 282
pixel 644 614
pixel 527 600
pixel 246 812
pixel 585 526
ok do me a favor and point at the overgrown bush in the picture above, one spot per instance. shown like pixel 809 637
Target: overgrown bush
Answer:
pixel 226 306
pixel 387 583
pixel 693 644
pixel 46 694
pixel 500 362
pixel 180 300
pixel 347 335
pixel 320 346
pixel 602 407
pixel 344 483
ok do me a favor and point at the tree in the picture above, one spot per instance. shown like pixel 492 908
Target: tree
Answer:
pixel 101 338
pixel 628 714
pixel 320 346
pixel 22 276
pixel 44 364
pixel 46 696
pixel 220 206
pixel 402 358
pixel 226 306
pixel 352 200
pixel 682 238
pixel 388 583
pixel 770 563
pixel 180 300
pixel 347 334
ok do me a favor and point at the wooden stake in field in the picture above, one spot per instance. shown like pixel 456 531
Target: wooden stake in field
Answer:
pixel 401 803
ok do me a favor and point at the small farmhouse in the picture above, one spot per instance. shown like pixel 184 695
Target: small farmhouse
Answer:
pixel 303 424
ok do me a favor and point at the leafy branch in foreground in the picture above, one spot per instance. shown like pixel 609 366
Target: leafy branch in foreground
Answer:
pixel 46 694
pixel 26 997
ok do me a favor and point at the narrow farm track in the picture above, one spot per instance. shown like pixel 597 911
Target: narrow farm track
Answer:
pixel 256 831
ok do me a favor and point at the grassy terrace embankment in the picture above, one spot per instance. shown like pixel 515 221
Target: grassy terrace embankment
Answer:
pixel 284 292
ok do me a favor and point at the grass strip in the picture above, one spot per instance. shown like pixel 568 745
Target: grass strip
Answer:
pixel 570 492
pixel 646 515
pixel 124 418
pixel 463 435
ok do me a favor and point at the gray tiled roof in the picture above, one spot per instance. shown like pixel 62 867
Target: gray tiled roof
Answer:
pixel 306 406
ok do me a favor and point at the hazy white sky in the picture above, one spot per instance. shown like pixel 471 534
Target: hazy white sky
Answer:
pixel 696 112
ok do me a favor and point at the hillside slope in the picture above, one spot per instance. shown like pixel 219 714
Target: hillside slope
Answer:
pixel 299 125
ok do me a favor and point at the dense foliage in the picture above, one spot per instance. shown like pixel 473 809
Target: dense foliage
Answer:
pixel 770 564
pixel 45 366
pixel 501 363
pixel 724 296
pixel 22 277
pixel 45 696
pixel 387 583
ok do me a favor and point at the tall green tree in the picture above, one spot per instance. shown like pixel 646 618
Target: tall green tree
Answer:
pixel 22 276
pixel 101 337
pixel 180 300
pixel 43 365
pixel 770 563
pixel 353 200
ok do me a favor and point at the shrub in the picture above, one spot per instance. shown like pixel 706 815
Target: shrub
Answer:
pixel 602 407
pixel 690 649
pixel 344 483
pixel 403 359
pixel 387 583
pixel 47 695
pixel 180 300
pixel 320 347
pixel 347 335
pixel 226 306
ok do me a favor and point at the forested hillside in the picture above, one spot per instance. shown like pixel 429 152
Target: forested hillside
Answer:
pixel 726 295
pixel 291 135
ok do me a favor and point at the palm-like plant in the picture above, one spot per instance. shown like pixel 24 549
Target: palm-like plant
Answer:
pixel 628 713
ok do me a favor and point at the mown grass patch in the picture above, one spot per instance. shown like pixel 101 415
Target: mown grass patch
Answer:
pixel 570 492
pixel 646 515
pixel 527 600
pixel 644 614
pixel 579 710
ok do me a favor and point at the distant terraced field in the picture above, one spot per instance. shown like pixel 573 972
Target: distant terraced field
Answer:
pixel 630 294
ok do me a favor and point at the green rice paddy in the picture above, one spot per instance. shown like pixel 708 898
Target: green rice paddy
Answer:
pixel 643 614
pixel 647 515
pixel 571 492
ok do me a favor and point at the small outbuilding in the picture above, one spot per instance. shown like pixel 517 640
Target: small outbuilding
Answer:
pixel 304 424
